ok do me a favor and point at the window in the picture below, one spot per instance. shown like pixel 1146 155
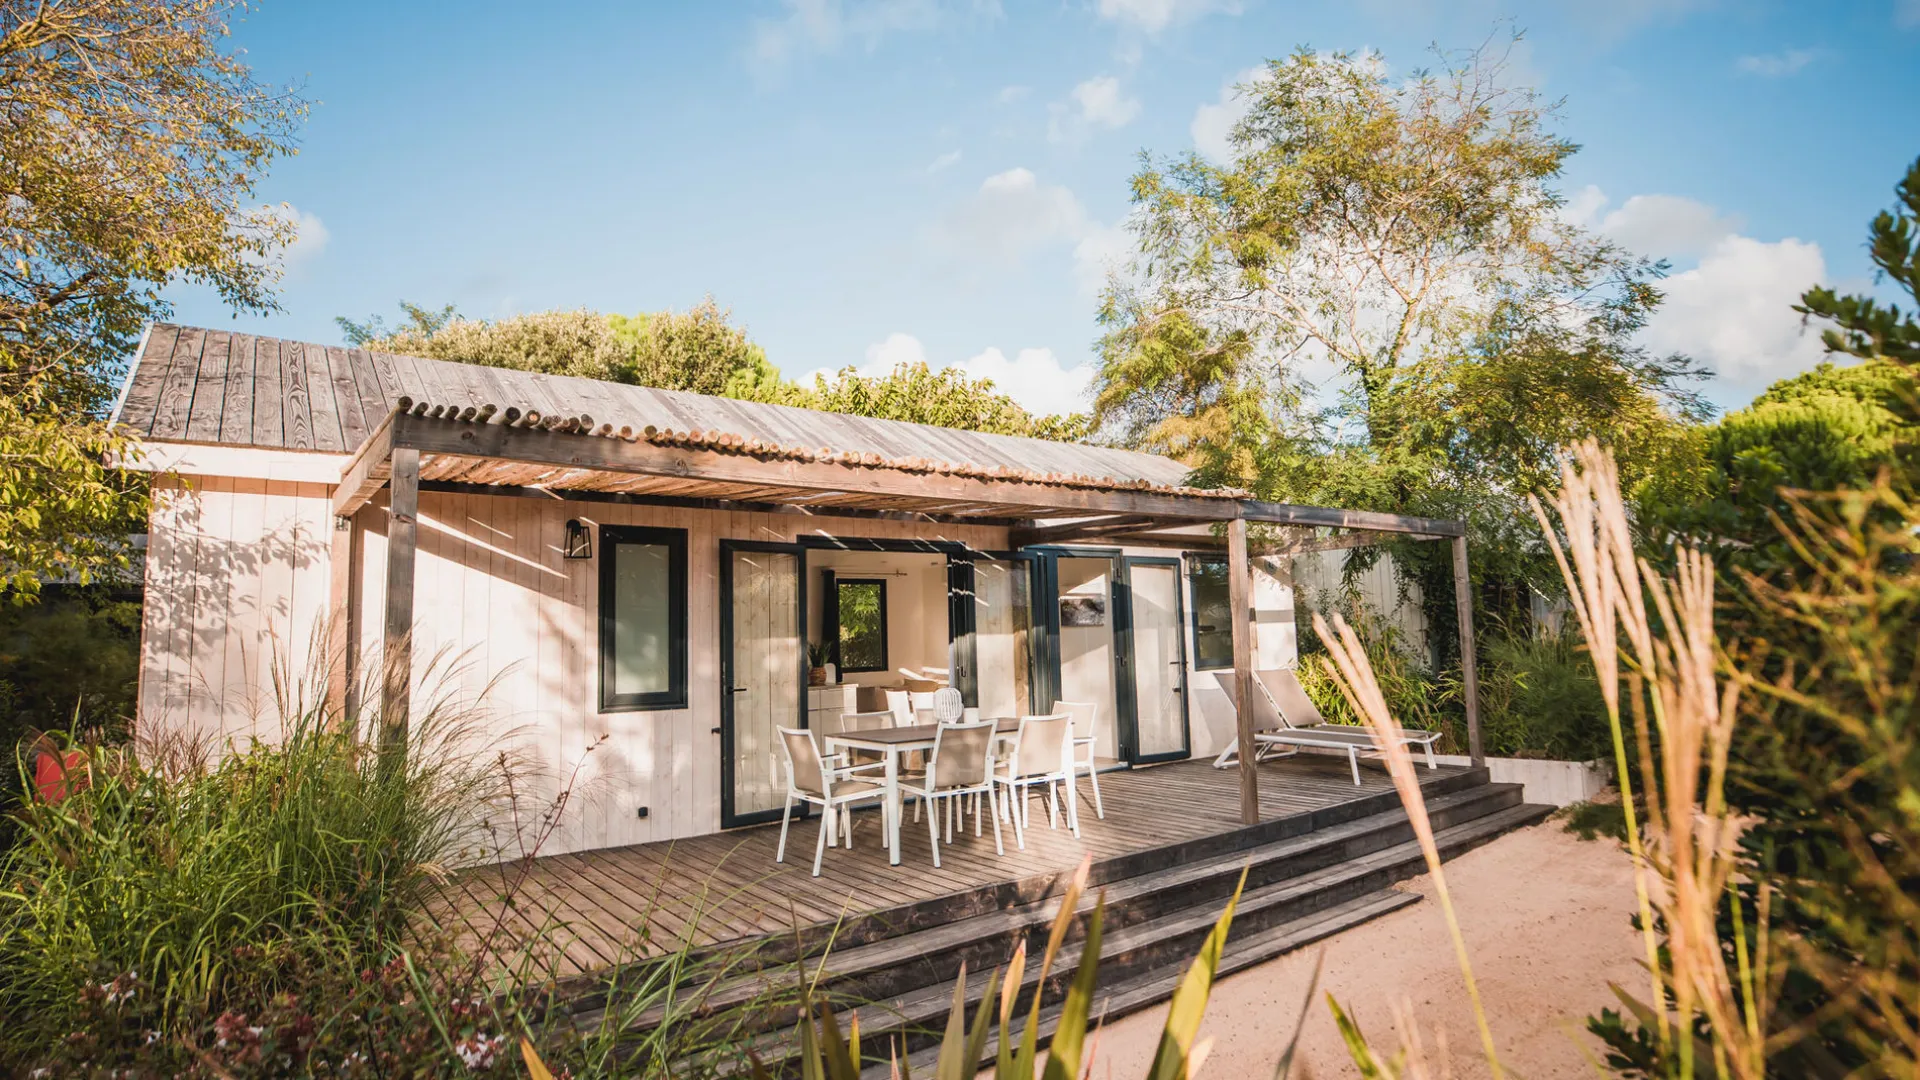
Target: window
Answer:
pixel 643 618
pixel 862 603
pixel 1212 608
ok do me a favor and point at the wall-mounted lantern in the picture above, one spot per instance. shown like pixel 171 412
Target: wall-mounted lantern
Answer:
pixel 579 540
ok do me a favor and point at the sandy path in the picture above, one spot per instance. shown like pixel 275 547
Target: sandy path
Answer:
pixel 1546 921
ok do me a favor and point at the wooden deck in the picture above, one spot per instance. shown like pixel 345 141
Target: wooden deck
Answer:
pixel 609 906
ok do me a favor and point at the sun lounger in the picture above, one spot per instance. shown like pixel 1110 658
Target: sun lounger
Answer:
pixel 1301 725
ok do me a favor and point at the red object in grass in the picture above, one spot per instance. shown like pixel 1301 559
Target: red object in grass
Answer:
pixel 57 775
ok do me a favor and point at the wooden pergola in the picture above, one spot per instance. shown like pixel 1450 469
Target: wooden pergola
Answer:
pixel 476 448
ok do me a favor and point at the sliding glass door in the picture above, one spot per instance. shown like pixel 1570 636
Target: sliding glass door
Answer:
pixel 763 672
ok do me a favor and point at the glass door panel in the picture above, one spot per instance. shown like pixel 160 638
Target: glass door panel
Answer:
pixel 1003 629
pixel 764 652
pixel 1159 660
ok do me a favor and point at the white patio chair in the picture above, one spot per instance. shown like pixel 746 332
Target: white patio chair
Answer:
pixel 866 721
pixel 1086 716
pixel 900 704
pixel 960 769
pixel 1040 756
pixel 814 779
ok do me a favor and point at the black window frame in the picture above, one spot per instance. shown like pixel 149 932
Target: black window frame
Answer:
pixel 1194 560
pixel 841 583
pixel 675 541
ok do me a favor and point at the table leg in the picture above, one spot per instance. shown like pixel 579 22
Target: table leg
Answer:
pixel 893 807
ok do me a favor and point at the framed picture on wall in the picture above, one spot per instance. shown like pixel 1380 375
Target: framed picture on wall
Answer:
pixel 1083 611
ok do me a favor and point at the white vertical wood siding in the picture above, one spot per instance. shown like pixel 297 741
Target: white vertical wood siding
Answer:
pixel 238 583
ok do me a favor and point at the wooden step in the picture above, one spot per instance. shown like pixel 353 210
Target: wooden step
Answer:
pixel 1121 997
pixel 933 956
pixel 1170 942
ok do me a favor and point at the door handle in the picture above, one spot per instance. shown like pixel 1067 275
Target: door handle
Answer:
pixel 741 689
pixel 716 731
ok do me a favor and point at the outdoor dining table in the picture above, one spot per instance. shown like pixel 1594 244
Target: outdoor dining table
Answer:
pixel 893 743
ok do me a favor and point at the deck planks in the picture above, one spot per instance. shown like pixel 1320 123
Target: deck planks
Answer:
pixel 725 886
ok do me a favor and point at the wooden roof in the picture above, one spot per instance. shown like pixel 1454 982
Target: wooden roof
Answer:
pixel 197 385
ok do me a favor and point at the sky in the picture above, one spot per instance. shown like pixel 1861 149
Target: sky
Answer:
pixel 863 182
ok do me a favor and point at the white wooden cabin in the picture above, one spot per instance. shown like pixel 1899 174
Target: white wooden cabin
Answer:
pixel 632 574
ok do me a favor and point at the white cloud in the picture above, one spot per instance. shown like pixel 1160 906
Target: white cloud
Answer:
pixel 824 26
pixel 1010 94
pixel 1035 377
pixel 1013 214
pixel 1667 226
pixel 310 238
pixel 1154 16
pixel 1734 311
pixel 1102 102
pixel 1101 250
pixel 1098 103
pixel 1213 123
pixel 944 161
pixel 1775 65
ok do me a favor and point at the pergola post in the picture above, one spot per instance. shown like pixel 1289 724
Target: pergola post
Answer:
pixel 402 531
pixel 1240 600
pixel 1469 676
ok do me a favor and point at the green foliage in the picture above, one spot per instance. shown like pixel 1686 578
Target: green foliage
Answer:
pixel 702 351
pixel 1414 697
pixel 1827 766
pixel 210 888
pixel 1405 233
pixel 128 160
pixel 421 322
pixel 1539 698
pixel 826 1055
pixel 1592 820
pixel 919 394
pixel 1863 327
pixel 1829 428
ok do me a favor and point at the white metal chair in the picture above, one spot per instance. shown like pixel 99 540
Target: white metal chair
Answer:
pixel 900 704
pixel 1086 716
pixel 1041 756
pixel 814 779
pixel 866 721
pixel 960 768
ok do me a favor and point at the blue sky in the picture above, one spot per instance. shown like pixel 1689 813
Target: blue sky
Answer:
pixel 865 182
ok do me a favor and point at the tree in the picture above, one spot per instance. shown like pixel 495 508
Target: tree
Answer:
pixel 1404 237
pixel 944 397
pixel 1863 327
pixel 701 350
pixel 698 350
pixel 424 322
pixel 129 155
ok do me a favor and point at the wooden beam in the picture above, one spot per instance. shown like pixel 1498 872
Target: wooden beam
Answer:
pixel 1240 602
pixel 366 471
pixel 339 626
pixel 1327 518
pixel 1057 534
pixel 402 535
pixel 1469 676
pixel 569 451
pixel 733 505
pixel 1337 543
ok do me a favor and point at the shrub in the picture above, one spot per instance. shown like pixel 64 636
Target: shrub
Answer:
pixel 1417 699
pixel 169 892
pixel 1539 699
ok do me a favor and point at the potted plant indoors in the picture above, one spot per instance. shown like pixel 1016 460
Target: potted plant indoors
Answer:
pixel 820 671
